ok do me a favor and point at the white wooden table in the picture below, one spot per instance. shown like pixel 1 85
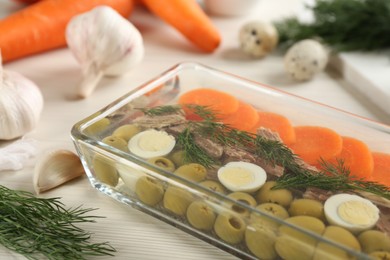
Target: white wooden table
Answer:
pixel 134 234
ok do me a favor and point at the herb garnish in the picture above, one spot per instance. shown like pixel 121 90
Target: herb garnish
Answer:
pixel 345 25
pixel 331 177
pixel 192 151
pixel 161 110
pixel 42 227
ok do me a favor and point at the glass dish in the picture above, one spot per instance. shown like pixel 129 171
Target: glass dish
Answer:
pixel 117 172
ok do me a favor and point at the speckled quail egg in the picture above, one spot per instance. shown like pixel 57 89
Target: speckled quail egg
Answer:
pixel 242 176
pixel 151 143
pixel 351 212
pixel 258 38
pixel 305 59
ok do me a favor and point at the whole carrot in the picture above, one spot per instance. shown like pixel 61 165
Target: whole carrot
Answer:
pixel 41 26
pixel 188 18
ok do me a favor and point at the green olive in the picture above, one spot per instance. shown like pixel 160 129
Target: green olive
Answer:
pixel 192 171
pixel 98 127
pixel 294 244
pixel 272 209
pixel 214 185
pixel 230 227
pixel 374 240
pixel 177 158
pixel 244 198
pixel 260 240
pixel 116 142
pixel 307 207
pixel 200 215
pixel 126 132
pixel 149 190
pixel 380 255
pixel 177 200
pixel 163 163
pixel 340 236
pixel 282 197
pixel 104 170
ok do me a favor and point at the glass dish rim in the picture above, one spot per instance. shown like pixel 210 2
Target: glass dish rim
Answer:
pixel 77 134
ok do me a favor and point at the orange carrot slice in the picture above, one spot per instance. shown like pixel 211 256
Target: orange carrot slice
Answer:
pixel 189 19
pixel 276 123
pixel 41 26
pixel 243 119
pixel 315 142
pixel 381 172
pixel 357 157
pixel 222 103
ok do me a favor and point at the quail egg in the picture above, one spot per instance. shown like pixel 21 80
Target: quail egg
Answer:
pixel 242 176
pixel 351 212
pixel 151 143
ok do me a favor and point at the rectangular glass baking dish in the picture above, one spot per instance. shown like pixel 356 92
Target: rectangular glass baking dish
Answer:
pixel 117 172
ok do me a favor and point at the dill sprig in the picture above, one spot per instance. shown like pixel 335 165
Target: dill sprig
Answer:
pixel 43 228
pixel 192 151
pixel 345 25
pixel 161 110
pixel 332 177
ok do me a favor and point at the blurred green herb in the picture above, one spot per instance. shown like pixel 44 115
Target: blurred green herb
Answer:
pixel 41 228
pixel 345 25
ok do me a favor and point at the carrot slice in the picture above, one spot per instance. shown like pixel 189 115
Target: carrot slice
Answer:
pixel 243 119
pixel 357 157
pixel 381 172
pixel 187 17
pixel 276 123
pixel 41 26
pixel 315 142
pixel 220 102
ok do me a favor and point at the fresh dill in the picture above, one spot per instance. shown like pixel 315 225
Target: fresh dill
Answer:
pixel 43 228
pixel 331 177
pixel 192 151
pixel 161 110
pixel 345 25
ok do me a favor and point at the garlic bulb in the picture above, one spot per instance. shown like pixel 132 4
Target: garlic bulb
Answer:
pixel 21 104
pixel 54 168
pixel 104 43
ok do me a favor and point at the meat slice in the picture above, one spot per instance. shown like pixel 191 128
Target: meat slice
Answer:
pixel 233 154
pixel 161 121
pixel 268 134
pixel 210 147
pixel 317 194
pixel 383 223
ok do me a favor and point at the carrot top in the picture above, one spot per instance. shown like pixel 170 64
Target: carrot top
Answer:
pixel 314 143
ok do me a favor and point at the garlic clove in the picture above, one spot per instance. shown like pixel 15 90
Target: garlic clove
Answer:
pixel 105 44
pixel 55 168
